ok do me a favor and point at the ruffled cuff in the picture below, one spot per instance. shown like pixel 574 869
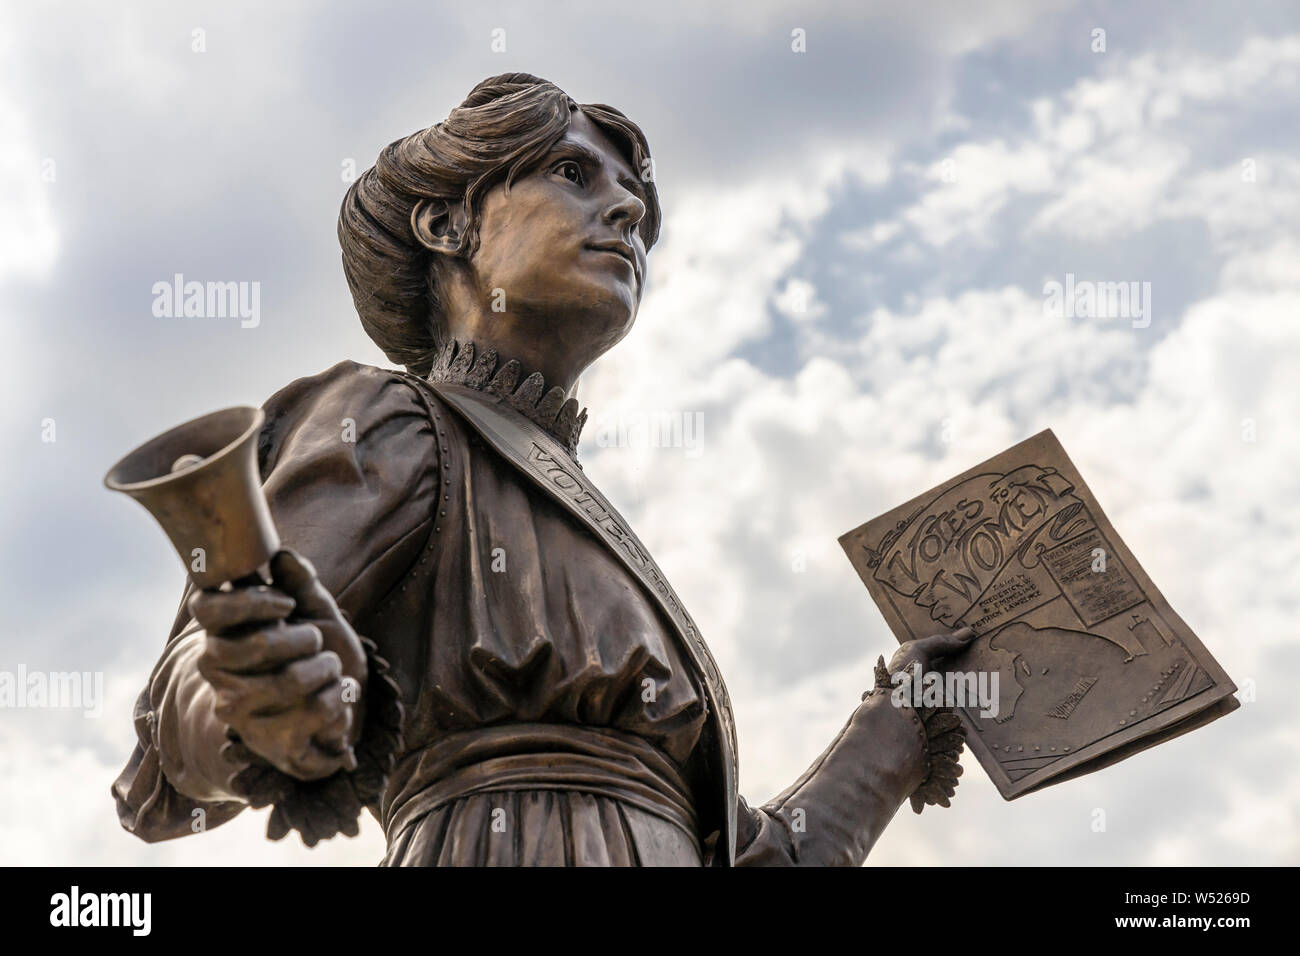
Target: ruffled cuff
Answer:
pixel 944 739
pixel 320 809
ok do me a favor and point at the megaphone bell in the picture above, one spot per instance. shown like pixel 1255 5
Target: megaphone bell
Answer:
pixel 200 481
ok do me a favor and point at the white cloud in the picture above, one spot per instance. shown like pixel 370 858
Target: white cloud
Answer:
pixel 1110 155
pixel 58 812
pixel 28 237
pixel 973 184
pixel 798 301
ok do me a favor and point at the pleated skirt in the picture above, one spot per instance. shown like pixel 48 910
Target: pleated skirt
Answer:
pixel 541 828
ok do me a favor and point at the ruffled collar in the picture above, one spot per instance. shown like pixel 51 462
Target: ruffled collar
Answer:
pixel 460 363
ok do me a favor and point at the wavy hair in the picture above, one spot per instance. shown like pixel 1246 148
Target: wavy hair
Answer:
pixel 503 130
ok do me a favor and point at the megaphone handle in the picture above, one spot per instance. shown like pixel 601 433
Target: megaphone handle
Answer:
pixel 333 747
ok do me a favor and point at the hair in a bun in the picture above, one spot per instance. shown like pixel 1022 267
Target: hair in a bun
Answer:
pixel 506 125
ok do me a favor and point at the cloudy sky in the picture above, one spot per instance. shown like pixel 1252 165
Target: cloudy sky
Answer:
pixel 849 290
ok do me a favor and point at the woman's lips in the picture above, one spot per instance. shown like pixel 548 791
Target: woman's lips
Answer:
pixel 620 249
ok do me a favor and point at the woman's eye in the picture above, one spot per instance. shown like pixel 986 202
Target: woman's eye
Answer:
pixel 570 171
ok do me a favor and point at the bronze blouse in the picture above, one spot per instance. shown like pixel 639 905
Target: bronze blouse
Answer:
pixel 494 609
pixel 550 717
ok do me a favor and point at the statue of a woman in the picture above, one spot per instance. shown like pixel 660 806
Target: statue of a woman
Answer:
pixel 463 636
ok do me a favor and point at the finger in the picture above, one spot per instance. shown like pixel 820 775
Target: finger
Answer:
pixel 263 650
pixel 322 714
pixel 300 679
pixel 334 720
pixel 242 698
pixel 220 611
pixel 332 737
pixel 339 751
pixel 313 763
pixel 333 712
pixel 942 644
pixel 911 656
pixel 295 575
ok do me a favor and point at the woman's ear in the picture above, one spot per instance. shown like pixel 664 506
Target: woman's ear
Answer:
pixel 439 225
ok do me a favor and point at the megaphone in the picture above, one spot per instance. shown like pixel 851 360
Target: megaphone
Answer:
pixel 200 481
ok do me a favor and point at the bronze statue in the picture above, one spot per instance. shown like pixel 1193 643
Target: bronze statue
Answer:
pixel 461 634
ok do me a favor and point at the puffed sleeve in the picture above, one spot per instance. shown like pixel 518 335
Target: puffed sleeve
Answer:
pixel 349 465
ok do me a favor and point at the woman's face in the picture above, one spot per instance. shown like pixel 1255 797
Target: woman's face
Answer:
pixel 562 245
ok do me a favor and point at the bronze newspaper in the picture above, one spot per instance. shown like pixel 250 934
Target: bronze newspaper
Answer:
pixel 1091 662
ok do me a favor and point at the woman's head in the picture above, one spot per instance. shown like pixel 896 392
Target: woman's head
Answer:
pixel 510 198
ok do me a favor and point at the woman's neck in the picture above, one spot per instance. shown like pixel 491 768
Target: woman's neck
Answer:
pixel 527 390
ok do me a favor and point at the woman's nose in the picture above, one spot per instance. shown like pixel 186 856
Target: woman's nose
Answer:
pixel 626 211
